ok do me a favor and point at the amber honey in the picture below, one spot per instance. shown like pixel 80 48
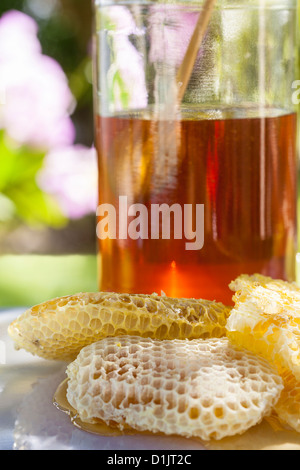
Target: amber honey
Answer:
pixel 268 435
pixel 243 169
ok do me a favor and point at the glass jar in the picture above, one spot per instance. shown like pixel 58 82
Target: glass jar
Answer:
pixel 197 180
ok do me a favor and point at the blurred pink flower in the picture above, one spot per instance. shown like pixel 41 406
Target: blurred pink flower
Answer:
pixel 128 64
pixel 120 19
pixel 170 30
pixel 126 75
pixel 70 174
pixel 18 37
pixel 38 101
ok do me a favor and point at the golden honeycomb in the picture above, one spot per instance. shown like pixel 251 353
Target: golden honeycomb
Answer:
pixel 266 319
pixel 246 283
pixel 198 388
pixel 288 406
pixel 60 328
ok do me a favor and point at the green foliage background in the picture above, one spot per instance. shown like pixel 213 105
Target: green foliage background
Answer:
pixel 29 279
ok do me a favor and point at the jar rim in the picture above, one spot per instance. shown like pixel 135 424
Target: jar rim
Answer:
pixel 220 4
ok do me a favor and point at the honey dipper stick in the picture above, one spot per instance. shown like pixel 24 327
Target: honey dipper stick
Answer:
pixel 185 70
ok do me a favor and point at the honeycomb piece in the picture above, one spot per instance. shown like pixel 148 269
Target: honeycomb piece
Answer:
pixel 198 388
pixel 246 283
pixel 58 329
pixel 288 406
pixel 266 319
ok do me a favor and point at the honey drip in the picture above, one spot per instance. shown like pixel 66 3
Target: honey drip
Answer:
pixel 100 428
pixel 268 435
pixel 61 402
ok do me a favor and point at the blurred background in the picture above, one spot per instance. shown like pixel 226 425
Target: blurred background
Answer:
pixel 48 168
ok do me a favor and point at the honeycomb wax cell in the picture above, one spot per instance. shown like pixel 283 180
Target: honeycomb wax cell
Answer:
pixel 60 328
pixel 288 406
pixel 199 388
pixel 266 319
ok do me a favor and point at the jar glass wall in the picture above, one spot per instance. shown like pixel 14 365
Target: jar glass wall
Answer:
pixel 203 187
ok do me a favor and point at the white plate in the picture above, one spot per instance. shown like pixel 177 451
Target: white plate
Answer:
pixel 30 421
